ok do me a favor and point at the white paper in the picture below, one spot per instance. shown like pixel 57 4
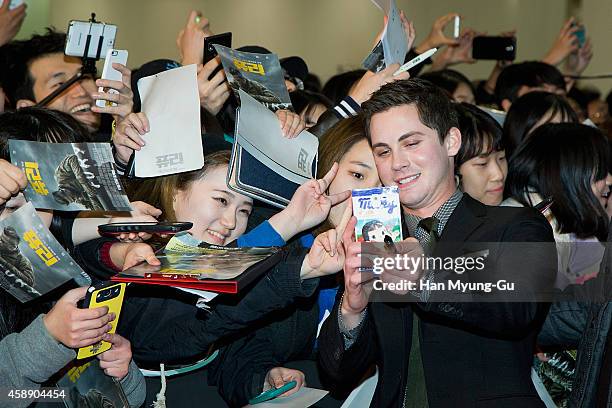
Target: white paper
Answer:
pixel 395 43
pixel 260 134
pixel 304 398
pixel 205 295
pixel 325 316
pixel 174 144
pixel 362 396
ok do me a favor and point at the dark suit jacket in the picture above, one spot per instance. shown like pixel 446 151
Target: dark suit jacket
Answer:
pixel 475 354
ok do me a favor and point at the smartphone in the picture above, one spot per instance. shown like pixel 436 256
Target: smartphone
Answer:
pixel 457 27
pixel 108 294
pixel 87 39
pixel 167 228
pixel 272 393
pixel 110 73
pixel 581 35
pixel 224 39
pixel 494 48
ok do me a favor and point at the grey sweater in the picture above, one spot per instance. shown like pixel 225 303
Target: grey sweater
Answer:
pixel 29 358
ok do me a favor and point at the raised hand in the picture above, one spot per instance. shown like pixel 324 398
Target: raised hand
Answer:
pixel 456 54
pixel 124 99
pixel 436 37
pixel 326 256
pixel 308 207
pixel 128 135
pixel 291 123
pixel 565 43
pixel 213 91
pixel 10 21
pixel 371 82
pixel 190 40
pixel 357 283
pixel 579 60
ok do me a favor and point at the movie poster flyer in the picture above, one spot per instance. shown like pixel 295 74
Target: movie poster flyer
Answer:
pixel 32 262
pixel 86 385
pixel 70 176
pixel 378 214
pixel 259 75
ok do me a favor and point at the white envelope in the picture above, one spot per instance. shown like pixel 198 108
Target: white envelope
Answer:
pixel 260 134
pixel 171 102
pixel 363 394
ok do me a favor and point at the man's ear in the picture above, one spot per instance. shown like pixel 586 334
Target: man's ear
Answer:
pixel 24 103
pixel 505 104
pixel 453 141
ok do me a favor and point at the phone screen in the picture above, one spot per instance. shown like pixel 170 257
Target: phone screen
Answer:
pixel 581 36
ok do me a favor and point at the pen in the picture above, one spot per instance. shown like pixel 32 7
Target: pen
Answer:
pixel 544 205
pixel 389 245
pixel 415 61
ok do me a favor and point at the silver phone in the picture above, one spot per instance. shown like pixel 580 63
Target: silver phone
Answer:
pixel 110 73
pixel 98 38
pixel 457 27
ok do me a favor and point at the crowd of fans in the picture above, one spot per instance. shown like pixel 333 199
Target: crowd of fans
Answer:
pixel 431 131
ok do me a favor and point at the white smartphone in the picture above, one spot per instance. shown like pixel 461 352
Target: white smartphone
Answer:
pixel 112 56
pixel 456 27
pixel 98 38
pixel 13 3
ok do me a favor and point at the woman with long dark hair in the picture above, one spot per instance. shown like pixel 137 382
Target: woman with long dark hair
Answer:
pixel 569 164
pixel 531 111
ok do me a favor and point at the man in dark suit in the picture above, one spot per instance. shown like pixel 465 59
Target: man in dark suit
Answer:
pixel 432 350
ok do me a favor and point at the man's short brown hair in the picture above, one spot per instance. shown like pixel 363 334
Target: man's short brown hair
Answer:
pixel 434 107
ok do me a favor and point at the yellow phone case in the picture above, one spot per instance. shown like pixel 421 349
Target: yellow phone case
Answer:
pixel 114 306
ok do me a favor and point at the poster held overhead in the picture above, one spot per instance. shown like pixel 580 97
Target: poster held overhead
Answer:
pixel 393 45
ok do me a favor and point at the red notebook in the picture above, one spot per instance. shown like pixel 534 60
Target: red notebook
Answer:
pixel 221 269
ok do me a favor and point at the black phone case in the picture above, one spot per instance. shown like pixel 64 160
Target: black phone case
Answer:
pixel 224 39
pixel 494 48
pixel 164 228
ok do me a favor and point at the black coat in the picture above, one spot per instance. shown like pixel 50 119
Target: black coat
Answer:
pixel 164 326
pixel 241 367
pixel 475 354
pixel 586 324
